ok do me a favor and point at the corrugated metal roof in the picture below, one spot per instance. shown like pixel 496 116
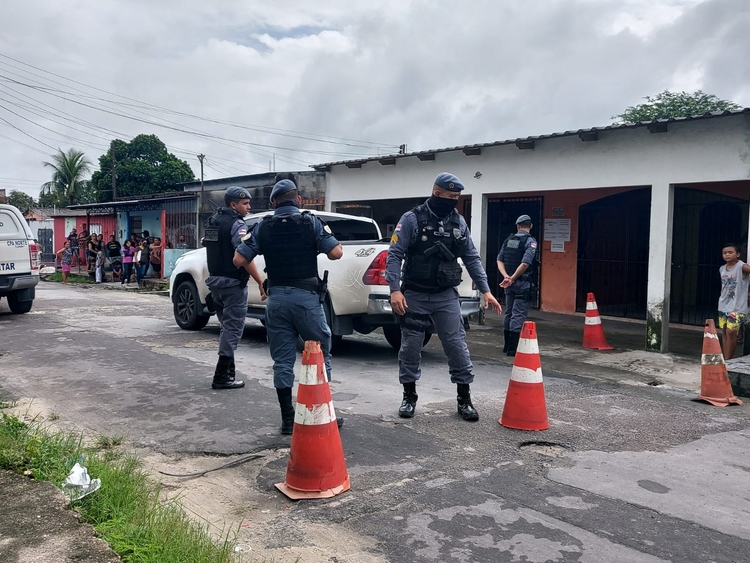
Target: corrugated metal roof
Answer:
pixel 591 131
pixel 135 200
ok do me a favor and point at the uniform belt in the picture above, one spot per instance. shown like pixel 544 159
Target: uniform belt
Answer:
pixel 300 284
pixel 412 287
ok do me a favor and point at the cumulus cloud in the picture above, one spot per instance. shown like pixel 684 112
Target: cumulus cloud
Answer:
pixel 420 72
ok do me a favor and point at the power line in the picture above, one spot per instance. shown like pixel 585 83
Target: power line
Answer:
pixel 50 91
pixel 195 132
pixel 258 128
pixel 23 144
pixel 27 134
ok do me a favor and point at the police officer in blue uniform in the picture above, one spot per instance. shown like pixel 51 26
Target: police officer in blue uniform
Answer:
pixel 290 240
pixel 428 241
pixel 228 283
pixel 516 262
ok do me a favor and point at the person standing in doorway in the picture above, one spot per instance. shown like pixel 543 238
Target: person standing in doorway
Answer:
pixel 290 240
pixel 73 239
pixel 227 281
pixel 516 262
pixel 735 280
pixel 430 239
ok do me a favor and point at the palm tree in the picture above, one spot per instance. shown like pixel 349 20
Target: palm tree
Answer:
pixel 69 169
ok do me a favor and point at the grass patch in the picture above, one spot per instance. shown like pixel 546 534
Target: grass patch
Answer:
pixel 72 278
pixel 128 511
pixel 108 442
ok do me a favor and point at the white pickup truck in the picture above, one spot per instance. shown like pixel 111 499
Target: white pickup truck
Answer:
pixel 358 295
pixel 19 260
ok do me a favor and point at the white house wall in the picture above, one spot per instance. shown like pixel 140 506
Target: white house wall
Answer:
pixel 708 150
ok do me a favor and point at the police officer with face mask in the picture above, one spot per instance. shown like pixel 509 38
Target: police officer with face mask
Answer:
pixel 516 261
pixel 430 238
pixel 290 240
pixel 228 283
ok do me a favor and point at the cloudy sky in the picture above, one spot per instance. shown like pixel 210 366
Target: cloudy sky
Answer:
pixel 310 82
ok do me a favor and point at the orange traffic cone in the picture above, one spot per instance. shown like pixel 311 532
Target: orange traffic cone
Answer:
pixel 593 333
pixel 525 407
pixel 715 386
pixel 316 467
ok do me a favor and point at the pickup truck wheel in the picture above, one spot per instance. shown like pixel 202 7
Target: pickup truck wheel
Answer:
pixel 18 307
pixel 393 336
pixel 187 307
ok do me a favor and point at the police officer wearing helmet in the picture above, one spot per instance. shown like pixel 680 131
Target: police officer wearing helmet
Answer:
pixel 428 241
pixel 228 283
pixel 516 262
pixel 290 240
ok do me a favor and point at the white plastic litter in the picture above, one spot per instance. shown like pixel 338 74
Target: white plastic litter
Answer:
pixel 78 484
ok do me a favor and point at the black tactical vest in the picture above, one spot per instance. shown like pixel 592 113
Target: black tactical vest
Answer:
pixel 219 247
pixel 515 248
pixel 431 261
pixel 290 249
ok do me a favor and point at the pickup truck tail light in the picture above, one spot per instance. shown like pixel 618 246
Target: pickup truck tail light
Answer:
pixel 375 274
pixel 34 257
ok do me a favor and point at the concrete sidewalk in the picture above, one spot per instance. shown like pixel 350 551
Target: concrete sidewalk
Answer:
pixel 560 342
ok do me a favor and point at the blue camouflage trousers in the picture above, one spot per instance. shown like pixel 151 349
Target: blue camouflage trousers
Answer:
pixel 443 310
pixel 291 313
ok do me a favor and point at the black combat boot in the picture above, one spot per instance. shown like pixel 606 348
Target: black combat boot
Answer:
pixel 513 346
pixel 409 404
pixel 231 371
pixel 465 408
pixel 221 375
pixel 506 341
pixel 287 409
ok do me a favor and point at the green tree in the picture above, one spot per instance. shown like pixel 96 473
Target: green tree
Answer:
pixel 21 200
pixel 68 172
pixel 142 166
pixel 674 104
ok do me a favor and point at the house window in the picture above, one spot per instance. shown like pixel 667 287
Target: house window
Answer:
pixel 136 225
pixel 95 229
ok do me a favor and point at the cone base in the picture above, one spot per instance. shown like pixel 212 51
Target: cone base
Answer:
pixel 722 402
pixel 599 347
pixel 295 494
pixel 520 426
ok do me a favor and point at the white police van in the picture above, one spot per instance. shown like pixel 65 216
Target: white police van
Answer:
pixel 19 260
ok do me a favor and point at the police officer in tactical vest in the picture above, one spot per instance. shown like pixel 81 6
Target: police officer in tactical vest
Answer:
pixel 428 241
pixel 516 262
pixel 228 283
pixel 290 240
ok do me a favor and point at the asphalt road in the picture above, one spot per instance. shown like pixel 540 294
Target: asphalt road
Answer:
pixel 624 474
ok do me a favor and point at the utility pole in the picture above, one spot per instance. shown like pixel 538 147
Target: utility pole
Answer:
pixel 202 204
pixel 114 174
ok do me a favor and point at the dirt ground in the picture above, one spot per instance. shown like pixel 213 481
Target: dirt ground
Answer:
pixel 238 503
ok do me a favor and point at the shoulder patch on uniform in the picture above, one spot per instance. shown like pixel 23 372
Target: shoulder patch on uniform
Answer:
pixel 242 231
pixel 398 227
pixel 533 245
pixel 394 238
pixel 327 229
